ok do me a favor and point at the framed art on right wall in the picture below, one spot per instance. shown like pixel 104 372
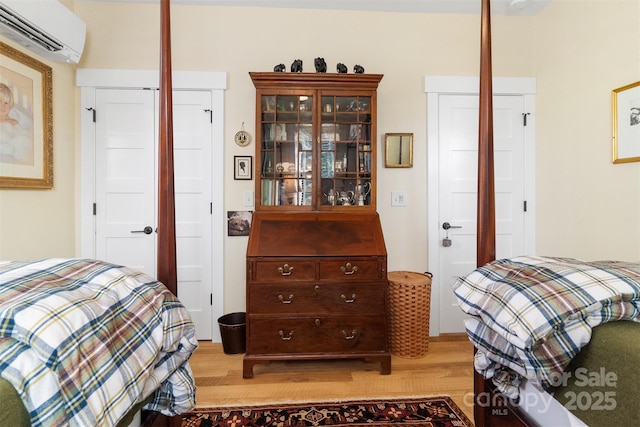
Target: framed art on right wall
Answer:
pixel 626 123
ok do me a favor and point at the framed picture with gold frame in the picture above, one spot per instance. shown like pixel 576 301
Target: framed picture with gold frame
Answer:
pixel 398 151
pixel 626 123
pixel 26 121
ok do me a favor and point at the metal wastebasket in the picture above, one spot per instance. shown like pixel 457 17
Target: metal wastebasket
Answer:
pixel 409 308
pixel 233 330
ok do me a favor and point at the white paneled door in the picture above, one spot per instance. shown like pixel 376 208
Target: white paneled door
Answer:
pixel 192 163
pixel 458 154
pixel 125 178
pixel 126 189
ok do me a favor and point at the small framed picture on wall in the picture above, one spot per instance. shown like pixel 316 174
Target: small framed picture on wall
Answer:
pixel 239 223
pixel 243 167
pixel 626 123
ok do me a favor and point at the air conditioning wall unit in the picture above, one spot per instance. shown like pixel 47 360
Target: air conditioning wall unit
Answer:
pixel 45 27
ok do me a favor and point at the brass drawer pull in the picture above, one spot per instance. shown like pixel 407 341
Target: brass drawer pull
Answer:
pixel 285 270
pixel 282 300
pixel 288 337
pixel 353 335
pixel 349 301
pixel 351 268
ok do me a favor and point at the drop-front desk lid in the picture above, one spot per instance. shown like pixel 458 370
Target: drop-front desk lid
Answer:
pixel 315 234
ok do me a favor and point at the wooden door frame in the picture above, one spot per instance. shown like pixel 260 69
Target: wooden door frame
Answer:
pixel 452 85
pixel 89 80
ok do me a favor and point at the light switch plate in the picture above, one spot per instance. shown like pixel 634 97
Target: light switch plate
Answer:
pixel 247 198
pixel 398 198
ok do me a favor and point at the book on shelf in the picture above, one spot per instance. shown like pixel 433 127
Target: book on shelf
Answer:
pixel 267 192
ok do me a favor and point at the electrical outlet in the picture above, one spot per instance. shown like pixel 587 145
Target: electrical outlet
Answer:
pixel 398 198
pixel 247 198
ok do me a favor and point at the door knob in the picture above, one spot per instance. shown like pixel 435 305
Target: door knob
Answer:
pixel 446 226
pixel 146 230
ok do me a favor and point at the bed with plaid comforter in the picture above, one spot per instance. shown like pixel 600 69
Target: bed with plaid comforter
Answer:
pixel 84 341
pixel 531 315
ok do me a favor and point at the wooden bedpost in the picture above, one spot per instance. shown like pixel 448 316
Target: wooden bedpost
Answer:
pixel 486 227
pixel 166 268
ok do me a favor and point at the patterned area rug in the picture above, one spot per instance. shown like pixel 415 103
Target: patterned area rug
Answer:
pixel 425 412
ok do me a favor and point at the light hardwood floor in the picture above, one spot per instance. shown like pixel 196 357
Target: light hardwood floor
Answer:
pixel 445 370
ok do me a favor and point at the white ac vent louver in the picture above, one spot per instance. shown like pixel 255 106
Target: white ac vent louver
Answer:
pixel 45 27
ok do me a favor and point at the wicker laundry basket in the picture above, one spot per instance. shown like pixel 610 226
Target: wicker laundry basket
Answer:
pixel 408 308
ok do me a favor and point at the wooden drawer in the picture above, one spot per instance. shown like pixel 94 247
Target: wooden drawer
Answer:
pixel 324 298
pixel 284 270
pixel 320 335
pixel 350 269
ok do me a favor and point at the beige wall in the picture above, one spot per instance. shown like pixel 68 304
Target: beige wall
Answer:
pixel 587 206
pixel 578 51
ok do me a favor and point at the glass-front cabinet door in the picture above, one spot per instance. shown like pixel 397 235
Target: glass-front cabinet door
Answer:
pixel 345 150
pixel 286 152
pixel 316 146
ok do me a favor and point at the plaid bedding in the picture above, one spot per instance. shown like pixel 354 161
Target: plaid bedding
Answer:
pixel 532 315
pixel 83 341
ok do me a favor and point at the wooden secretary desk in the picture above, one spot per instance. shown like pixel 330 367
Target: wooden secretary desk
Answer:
pixel 316 257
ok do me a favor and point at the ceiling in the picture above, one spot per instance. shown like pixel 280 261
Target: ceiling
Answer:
pixel 498 7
